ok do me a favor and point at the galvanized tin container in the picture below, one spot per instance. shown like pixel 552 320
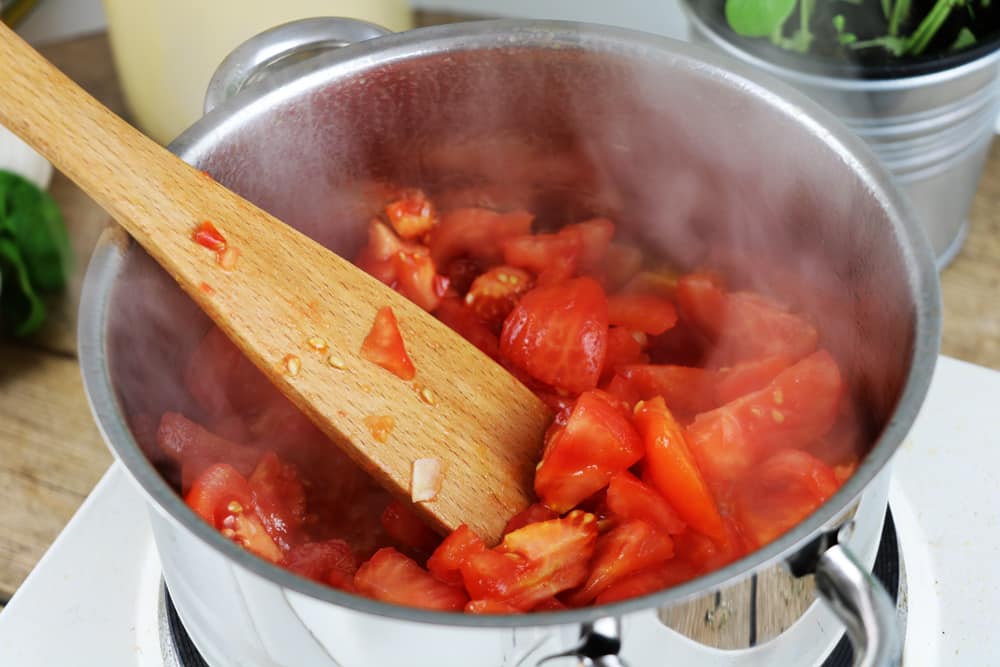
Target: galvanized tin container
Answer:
pixel 930 125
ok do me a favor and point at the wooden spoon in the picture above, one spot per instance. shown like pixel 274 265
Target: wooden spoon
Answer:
pixel 462 409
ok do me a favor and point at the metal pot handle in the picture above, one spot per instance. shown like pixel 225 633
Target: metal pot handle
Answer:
pixel 599 645
pixel 862 605
pixel 297 40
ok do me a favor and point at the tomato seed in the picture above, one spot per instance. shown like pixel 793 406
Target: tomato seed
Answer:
pixel 336 362
pixel 777 416
pixel 234 507
pixel 227 258
pixel 317 344
pixel 779 397
pixel 757 411
pixel 380 426
pixel 427 396
pixel 292 364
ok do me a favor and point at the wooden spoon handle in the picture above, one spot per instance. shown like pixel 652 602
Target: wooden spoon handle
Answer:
pixel 284 291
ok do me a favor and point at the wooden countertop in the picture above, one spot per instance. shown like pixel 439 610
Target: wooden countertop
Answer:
pixel 51 453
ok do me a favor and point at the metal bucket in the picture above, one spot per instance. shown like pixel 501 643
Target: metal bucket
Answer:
pixel 931 128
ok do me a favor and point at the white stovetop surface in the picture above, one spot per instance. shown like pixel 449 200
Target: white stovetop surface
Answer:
pixel 92 599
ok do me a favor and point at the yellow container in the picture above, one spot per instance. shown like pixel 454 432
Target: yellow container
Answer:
pixel 166 51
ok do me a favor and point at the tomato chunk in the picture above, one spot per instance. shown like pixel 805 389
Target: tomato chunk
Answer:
pixel 464 321
pixel 493 294
pixel 417 279
pixel 624 348
pixel 596 442
pixel 331 562
pixel 447 560
pixel 532 514
pixel 797 407
pixel 594 237
pixel 392 577
pixel 279 499
pixel 406 528
pixel 412 215
pixel 384 346
pixel 748 376
pixel 685 389
pixel 552 257
pixel 642 312
pixel 629 498
pixel 477 233
pixel 673 469
pixel 195 449
pixel 558 334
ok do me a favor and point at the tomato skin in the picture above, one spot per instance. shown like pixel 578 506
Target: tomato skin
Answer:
pixel 412 215
pixel 278 499
pixel 493 294
pixel 782 491
pixel 417 279
pixel 624 550
pixel 748 376
pixel 596 442
pixel 553 258
pixel 640 312
pixel 329 562
pixel 464 321
pixel 628 498
pixel 384 346
pixel 447 560
pixel 673 470
pixel 407 528
pixel 392 577
pixel 685 389
pixel 557 334
pixel 796 408
pixel 477 233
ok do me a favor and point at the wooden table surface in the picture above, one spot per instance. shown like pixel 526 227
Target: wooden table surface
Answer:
pixel 51 453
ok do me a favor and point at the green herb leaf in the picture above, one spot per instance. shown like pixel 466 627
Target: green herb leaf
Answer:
pixel 21 309
pixel 31 220
pixel 964 40
pixel 758 18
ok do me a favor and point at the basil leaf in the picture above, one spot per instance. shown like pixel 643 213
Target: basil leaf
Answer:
pixel 965 39
pixel 758 18
pixel 21 310
pixel 31 219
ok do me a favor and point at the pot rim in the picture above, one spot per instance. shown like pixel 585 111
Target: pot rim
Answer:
pixel 512 33
pixel 927 74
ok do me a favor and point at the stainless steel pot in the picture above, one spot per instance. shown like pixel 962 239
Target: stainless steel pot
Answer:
pixel 930 124
pixel 701 161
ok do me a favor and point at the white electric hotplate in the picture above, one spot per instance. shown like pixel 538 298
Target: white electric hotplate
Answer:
pixel 94 598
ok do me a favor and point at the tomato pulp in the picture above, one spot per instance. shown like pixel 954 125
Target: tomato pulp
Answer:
pixel 693 422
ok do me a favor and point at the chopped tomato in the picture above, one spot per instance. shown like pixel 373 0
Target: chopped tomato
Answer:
pixel 641 312
pixel 384 346
pixel 558 334
pixel 748 376
pixel 493 294
pixel 628 498
pixel 405 527
pixel 392 577
pixel 447 560
pixel 330 562
pixel 491 607
pixel 279 499
pixel 594 239
pixel 532 514
pixel 196 449
pixel 623 349
pixel 597 442
pixel 624 550
pixel 685 389
pixel 412 215
pixel 417 279
pixel 650 580
pixel 621 262
pixel 477 233
pixel 552 257
pixel 376 257
pixel 782 491
pixel 207 235
pixel 550 604
pixel 673 469
pixel 464 321
pixel 535 562
pixel 221 496
pixel 796 408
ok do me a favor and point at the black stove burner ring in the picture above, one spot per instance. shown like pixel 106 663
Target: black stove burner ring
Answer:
pixel 886 570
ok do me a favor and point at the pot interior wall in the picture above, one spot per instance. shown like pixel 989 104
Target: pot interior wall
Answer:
pixel 687 163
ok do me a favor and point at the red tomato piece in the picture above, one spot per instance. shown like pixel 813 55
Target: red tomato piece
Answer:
pixel 624 550
pixel 412 215
pixel 594 237
pixel 329 562
pixel 558 334
pixel 477 233
pixel 491 607
pixel 384 346
pixel 447 560
pixel 628 498
pixel 552 257
pixel 685 389
pixel 492 295
pixel 673 469
pixel 550 604
pixel 532 514
pixel 195 449
pixel 623 349
pixel 650 580
pixel 597 442
pixel 796 408
pixel 278 499
pixel 221 496
pixel 747 377
pixel 621 263
pixel 641 312
pixel 464 321
pixel 782 491
pixel 205 234
pixel 392 577
pixel 534 562
pixel 408 529
pixel 376 257
pixel 417 279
